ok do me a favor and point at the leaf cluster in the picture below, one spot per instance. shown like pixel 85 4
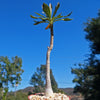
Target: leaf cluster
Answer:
pixel 48 17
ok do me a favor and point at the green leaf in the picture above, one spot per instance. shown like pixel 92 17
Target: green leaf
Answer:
pixel 50 7
pixel 58 16
pixel 67 19
pixel 46 10
pixel 39 22
pixel 56 8
pixel 39 14
pixel 57 20
pixel 33 17
pixel 42 18
pixel 68 14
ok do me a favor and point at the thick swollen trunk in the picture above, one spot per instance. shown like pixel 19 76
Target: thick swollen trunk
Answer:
pixel 48 90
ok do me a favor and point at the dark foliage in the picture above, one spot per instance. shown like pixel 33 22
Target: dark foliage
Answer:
pixel 88 75
pixel 93 34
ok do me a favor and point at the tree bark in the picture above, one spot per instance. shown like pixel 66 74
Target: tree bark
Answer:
pixel 48 89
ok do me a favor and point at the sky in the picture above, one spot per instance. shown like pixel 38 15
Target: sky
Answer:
pixel 18 36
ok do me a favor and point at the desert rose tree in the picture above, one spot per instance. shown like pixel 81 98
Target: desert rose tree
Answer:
pixel 49 18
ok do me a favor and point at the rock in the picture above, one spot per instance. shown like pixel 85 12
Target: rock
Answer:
pixel 56 96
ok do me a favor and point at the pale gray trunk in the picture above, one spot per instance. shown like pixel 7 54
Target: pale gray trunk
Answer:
pixel 48 90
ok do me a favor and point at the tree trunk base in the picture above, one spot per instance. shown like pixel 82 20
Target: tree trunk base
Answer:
pixel 48 92
pixel 55 96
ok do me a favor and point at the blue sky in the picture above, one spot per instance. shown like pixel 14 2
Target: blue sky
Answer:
pixel 19 37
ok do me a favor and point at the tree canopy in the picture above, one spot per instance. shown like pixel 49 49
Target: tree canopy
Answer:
pixel 88 74
pixel 10 73
pixel 93 34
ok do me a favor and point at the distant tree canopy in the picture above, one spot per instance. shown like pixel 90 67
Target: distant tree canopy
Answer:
pixel 88 74
pixel 10 73
pixel 38 80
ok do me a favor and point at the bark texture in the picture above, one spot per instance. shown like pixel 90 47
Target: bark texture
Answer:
pixel 48 90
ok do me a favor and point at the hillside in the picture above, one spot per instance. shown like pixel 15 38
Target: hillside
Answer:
pixel 68 91
pixel 27 89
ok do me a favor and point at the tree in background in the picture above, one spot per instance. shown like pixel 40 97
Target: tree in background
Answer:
pixel 88 75
pixel 93 34
pixel 50 19
pixel 38 80
pixel 10 73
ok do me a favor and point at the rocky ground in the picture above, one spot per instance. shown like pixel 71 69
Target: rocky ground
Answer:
pixel 56 96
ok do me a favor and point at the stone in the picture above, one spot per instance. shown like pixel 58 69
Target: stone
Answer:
pixel 55 96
